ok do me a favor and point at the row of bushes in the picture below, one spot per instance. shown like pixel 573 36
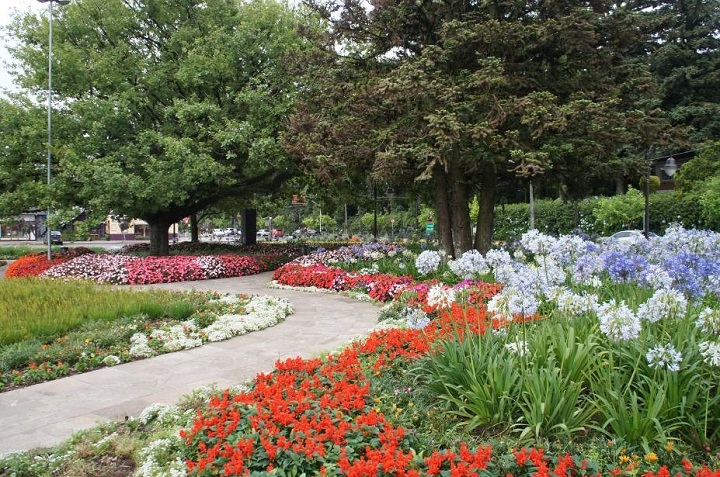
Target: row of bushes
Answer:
pixel 601 216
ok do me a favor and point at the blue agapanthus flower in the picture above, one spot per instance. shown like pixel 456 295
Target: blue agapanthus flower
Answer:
pixel 624 268
pixel 691 274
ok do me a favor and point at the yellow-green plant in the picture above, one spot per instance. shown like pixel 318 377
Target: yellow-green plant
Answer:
pixel 41 309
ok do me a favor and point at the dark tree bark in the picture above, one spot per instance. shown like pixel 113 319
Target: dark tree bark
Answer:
pixel 619 185
pixel 443 221
pixel 460 212
pixel 486 215
pixel 194 232
pixel 159 244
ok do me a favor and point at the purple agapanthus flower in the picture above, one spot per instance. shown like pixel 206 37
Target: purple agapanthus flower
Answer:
pixel 691 273
pixel 624 268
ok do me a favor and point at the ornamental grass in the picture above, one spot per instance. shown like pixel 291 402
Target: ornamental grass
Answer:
pixel 42 309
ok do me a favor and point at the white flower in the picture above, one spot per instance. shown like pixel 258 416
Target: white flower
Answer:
pixel 139 347
pixel 536 242
pixel 710 352
pixel 519 347
pixel 470 265
pixel 262 312
pixel 657 277
pixel 496 257
pixel 428 261
pixel 166 414
pixel 212 266
pixel 375 255
pixel 417 318
pixel 513 301
pixel 111 360
pixel 664 304
pixel 572 303
pixel 159 459
pixel 441 296
pixel 665 356
pixel 709 321
pixel 618 322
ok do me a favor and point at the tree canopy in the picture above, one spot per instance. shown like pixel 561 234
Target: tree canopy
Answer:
pixel 452 96
pixel 166 106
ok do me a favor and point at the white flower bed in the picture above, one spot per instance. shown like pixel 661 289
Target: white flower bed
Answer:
pixel 260 312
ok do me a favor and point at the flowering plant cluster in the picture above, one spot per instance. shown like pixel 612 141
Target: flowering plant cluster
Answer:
pixel 381 287
pixel 243 315
pixel 650 321
pixel 318 417
pixel 217 317
pixel 34 264
pixel 314 416
pixel 351 254
pixel 128 270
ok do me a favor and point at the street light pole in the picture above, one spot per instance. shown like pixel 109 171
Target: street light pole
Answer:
pixel 49 118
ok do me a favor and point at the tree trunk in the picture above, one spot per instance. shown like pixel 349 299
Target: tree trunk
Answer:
pixel 576 214
pixel 194 226
pixel 619 185
pixel 159 245
pixel 461 232
pixel 443 220
pixel 486 215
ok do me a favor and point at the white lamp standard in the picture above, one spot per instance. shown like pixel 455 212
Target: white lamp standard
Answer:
pixel 49 117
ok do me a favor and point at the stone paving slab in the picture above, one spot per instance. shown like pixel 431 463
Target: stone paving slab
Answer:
pixel 48 413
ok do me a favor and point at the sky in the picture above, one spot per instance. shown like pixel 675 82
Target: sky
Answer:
pixel 7 8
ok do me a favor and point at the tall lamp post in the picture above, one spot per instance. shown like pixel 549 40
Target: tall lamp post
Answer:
pixel 49 117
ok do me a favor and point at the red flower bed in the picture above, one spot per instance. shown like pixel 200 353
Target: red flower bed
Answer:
pixel 164 270
pixel 316 417
pixel 381 287
pixel 319 276
pixel 311 416
pixel 138 271
pixel 239 265
pixel 34 264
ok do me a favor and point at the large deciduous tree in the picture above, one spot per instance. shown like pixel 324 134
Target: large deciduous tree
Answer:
pixel 23 154
pixel 168 106
pixel 454 95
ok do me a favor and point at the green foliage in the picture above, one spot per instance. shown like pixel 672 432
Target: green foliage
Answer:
pixel 43 309
pixel 476 379
pixel 320 222
pixel 703 167
pixel 620 212
pixel 710 202
pixel 533 381
pixel 178 105
pixel 552 217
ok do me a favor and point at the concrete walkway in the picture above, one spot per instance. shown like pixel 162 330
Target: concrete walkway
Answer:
pixel 48 413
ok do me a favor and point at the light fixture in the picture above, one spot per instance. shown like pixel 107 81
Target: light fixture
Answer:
pixel 670 167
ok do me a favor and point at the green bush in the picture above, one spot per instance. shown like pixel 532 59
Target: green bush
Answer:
pixel 607 215
pixel 552 217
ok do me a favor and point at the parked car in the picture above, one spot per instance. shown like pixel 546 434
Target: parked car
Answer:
pixel 305 232
pixel 628 235
pixel 277 233
pixel 263 233
pixel 55 237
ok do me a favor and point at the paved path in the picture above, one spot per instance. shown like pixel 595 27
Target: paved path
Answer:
pixel 48 413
